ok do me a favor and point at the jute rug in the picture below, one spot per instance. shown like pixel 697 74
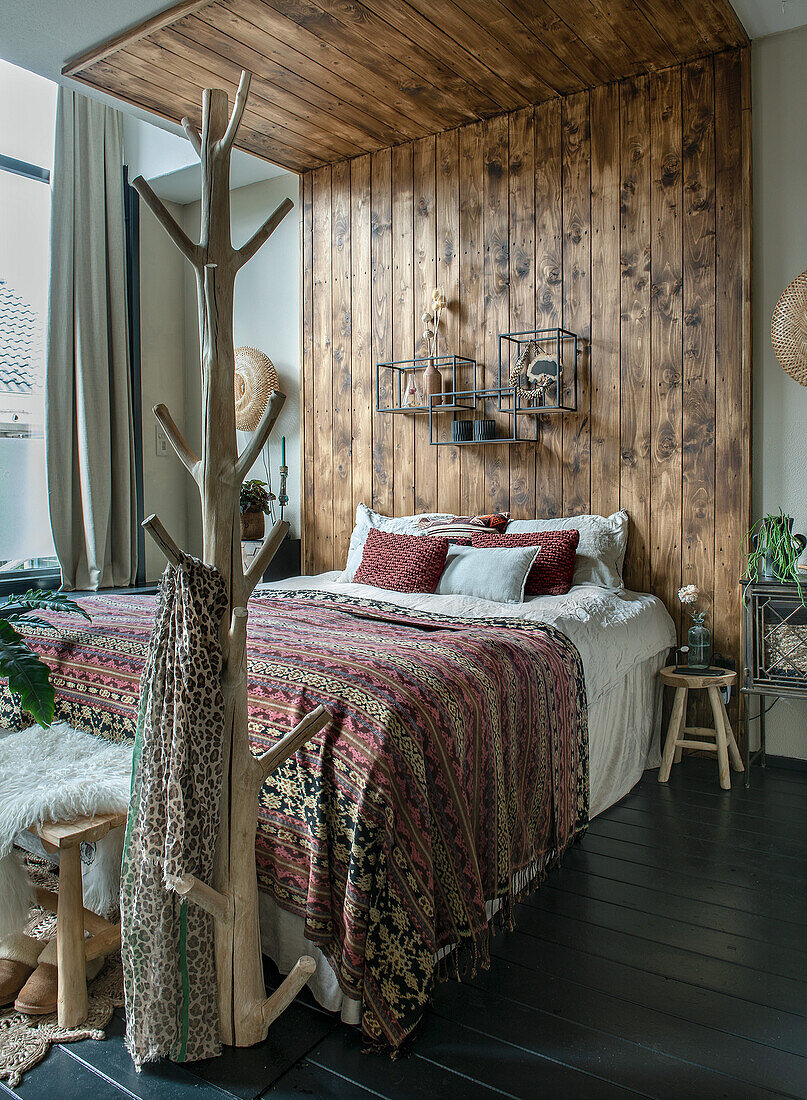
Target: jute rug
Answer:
pixel 25 1040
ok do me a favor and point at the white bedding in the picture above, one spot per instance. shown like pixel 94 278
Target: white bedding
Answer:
pixel 623 639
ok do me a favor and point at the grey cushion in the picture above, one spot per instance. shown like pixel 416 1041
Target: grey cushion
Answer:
pixel 496 573
pixel 601 550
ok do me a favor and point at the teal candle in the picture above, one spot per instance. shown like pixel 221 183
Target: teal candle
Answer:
pixel 282 450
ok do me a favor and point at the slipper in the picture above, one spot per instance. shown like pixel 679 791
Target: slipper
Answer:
pixel 18 959
pixel 40 994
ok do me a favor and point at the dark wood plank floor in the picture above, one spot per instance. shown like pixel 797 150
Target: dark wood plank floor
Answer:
pixel 667 958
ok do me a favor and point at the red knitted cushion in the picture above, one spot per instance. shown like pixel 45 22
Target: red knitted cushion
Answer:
pixel 552 573
pixel 403 563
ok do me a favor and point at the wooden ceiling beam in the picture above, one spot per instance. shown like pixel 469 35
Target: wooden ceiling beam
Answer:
pixel 133 34
pixel 335 79
pixel 414 86
pixel 452 79
pixel 188 59
pixel 358 125
pixel 221 19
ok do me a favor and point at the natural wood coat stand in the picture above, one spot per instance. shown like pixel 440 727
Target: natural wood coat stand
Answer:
pixel 245 1011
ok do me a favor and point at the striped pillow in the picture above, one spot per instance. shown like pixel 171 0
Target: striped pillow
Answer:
pixel 553 570
pixel 462 527
pixel 401 563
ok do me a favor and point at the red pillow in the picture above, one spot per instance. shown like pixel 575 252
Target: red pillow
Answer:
pixel 552 573
pixel 402 563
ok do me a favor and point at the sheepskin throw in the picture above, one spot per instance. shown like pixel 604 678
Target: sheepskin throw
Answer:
pixel 169 967
pixel 59 774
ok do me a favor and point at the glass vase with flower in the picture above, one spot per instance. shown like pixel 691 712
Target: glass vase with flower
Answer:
pixel 699 640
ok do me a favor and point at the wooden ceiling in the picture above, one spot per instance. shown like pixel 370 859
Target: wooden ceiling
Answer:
pixel 336 78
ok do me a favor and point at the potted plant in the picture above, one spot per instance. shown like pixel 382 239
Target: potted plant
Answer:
pixel 773 550
pixel 254 506
pixel 27 674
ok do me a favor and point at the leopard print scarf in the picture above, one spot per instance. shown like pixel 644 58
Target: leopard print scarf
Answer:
pixel 168 948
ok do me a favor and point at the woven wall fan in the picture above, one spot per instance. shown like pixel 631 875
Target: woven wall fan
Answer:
pixel 255 379
pixel 789 329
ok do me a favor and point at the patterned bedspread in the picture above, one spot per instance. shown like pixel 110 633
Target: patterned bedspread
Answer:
pixel 456 759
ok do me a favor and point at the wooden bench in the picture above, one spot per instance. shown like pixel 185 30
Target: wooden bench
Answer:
pixel 73 951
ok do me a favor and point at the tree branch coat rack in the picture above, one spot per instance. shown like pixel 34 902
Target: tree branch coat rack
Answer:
pixel 245 1012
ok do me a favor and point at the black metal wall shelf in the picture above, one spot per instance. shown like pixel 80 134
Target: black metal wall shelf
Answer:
pixel 475 395
pixel 390 379
pixel 555 355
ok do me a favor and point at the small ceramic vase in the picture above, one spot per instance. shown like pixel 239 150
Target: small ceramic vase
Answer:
pixel 433 384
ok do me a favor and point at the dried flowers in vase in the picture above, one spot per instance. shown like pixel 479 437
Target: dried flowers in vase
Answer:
pixel 432 379
pixel 698 637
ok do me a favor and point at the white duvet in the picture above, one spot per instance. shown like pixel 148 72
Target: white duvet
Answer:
pixel 613 631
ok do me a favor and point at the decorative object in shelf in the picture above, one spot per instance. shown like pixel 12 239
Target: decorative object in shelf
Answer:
pixel 788 331
pixel 432 379
pixel 462 431
pixel 484 430
pixel 774 551
pixel 400 384
pixel 699 640
pixel 538 371
pixel 480 430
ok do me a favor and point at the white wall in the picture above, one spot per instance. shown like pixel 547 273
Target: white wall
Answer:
pixel 780 253
pixel 267 316
pixel 167 489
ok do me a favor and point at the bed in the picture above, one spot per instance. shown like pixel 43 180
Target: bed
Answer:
pixel 585 663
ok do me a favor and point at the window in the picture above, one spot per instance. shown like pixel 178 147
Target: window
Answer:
pixel 27 121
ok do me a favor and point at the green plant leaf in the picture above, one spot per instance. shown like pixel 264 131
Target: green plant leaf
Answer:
pixel 24 617
pixel 28 676
pixel 34 599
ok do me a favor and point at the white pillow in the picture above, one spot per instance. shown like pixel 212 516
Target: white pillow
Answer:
pixel 496 573
pixel 367 518
pixel 601 550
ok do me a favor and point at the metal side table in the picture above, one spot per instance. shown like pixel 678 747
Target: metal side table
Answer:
pixel 775 651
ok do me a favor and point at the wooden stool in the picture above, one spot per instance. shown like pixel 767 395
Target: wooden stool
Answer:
pixel 72 950
pixel 680 736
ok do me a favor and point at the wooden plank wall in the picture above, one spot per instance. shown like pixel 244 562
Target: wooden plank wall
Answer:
pixel 621 213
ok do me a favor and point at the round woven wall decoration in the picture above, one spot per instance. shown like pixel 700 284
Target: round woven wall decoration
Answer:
pixel 255 379
pixel 789 329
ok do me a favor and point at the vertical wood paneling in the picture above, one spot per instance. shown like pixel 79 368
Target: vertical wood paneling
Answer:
pixel 497 273
pixel 403 320
pixel 699 328
pixel 621 212
pixel 381 320
pixel 323 370
pixel 343 511
pixel 728 345
pixel 473 497
pixel 522 285
pixel 307 403
pixel 548 292
pixel 425 277
pixel 635 321
pixel 603 353
pixel 666 324
pixel 361 342
pixel 577 297
pixel 448 279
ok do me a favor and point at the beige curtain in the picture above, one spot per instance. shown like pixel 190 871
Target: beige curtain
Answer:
pixel 88 417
